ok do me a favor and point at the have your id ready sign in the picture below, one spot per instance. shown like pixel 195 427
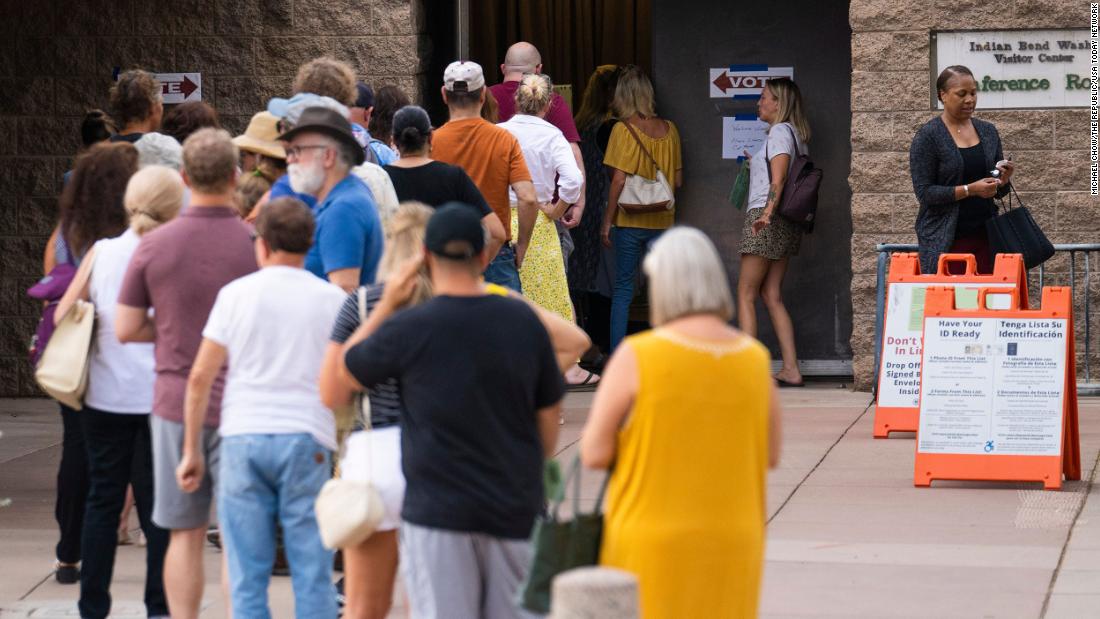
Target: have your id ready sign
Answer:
pixel 1019 68
pixel 993 386
pixel 744 81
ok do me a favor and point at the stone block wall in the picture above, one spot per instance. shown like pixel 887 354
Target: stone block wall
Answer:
pixel 890 100
pixel 56 61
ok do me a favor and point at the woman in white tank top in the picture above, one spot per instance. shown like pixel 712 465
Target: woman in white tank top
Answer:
pixel 119 399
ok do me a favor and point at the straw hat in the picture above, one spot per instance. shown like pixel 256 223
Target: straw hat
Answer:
pixel 262 136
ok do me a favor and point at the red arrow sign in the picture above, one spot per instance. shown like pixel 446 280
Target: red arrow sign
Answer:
pixel 723 83
pixel 180 87
pixel 187 87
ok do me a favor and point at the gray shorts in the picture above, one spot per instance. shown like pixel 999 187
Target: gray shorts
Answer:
pixel 173 508
pixel 455 574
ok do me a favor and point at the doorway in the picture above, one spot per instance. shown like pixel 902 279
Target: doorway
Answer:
pixel 690 38
pixel 573 37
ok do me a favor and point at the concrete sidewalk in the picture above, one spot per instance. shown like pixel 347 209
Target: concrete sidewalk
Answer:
pixel 849 535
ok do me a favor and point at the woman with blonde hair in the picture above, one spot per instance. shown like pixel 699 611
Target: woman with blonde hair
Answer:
pixel 768 241
pixel 637 141
pixel 119 399
pixel 697 548
pixel 371 567
pixel 554 171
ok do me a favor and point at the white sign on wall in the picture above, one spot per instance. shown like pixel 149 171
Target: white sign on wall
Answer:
pixel 741 133
pixel 1019 68
pixel 180 87
pixel 992 386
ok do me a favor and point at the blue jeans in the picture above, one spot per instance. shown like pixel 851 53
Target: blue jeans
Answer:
pixel 630 245
pixel 502 270
pixel 267 478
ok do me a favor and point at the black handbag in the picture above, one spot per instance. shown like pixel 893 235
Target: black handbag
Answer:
pixel 1013 231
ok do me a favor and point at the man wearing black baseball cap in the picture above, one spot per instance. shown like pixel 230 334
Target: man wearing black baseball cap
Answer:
pixel 320 152
pixel 482 391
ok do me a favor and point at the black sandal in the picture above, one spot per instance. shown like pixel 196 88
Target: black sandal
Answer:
pixel 585 385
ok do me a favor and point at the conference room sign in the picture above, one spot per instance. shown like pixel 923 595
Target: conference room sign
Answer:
pixel 1018 68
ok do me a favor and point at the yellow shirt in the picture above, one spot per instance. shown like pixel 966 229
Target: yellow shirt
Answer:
pixel 686 498
pixel 624 154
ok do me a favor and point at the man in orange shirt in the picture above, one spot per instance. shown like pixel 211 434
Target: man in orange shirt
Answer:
pixel 493 159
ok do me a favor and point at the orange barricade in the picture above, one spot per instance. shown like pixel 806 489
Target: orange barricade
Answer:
pixel 998 395
pixel 899 369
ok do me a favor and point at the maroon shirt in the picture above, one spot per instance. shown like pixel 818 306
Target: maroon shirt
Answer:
pixel 558 115
pixel 178 270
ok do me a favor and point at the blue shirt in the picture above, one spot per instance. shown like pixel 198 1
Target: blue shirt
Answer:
pixel 384 154
pixel 349 233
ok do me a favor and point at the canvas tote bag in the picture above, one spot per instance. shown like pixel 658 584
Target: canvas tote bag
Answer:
pixel 62 369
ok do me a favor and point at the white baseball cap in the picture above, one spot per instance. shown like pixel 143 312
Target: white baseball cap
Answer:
pixel 463 76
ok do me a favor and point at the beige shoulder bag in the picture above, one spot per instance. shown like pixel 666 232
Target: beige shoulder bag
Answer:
pixel 62 371
pixel 348 511
pixel 641 195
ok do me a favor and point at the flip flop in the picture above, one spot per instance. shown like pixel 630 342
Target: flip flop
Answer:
pixel 783 384
pixel 585 385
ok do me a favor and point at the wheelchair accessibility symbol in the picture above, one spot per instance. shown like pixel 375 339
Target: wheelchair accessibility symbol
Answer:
pixel 988 446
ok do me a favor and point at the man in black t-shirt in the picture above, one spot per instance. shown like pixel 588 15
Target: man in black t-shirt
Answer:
pixel 482 392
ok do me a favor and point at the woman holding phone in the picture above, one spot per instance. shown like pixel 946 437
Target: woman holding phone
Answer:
pixel 958 167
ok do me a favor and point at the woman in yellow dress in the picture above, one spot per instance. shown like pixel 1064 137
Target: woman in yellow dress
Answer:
pixel 687 418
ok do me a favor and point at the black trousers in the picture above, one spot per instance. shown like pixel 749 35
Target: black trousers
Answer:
pixel 120 453
pixel 72 486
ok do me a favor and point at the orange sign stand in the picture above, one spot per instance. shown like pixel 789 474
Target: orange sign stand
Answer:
pixel 896 402
pixel 998 396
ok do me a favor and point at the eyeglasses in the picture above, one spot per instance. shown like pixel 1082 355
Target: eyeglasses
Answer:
pixel 293 152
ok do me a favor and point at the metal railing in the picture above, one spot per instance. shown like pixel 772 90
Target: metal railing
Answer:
pixel 1073 249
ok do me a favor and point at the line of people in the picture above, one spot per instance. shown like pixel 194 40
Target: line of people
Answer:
pixel 246 289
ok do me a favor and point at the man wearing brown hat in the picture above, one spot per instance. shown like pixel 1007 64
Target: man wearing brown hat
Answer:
pixel 320 153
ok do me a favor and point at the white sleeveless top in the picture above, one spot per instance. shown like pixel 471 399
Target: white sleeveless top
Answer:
pixel 120 376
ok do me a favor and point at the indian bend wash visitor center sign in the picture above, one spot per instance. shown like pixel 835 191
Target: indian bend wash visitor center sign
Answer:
pixel 1019 68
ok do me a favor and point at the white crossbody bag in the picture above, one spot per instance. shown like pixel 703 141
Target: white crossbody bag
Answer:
pixel 641 195
pixel 348 511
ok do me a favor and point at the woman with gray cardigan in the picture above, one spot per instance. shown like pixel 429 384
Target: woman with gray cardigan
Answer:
pixel 952 161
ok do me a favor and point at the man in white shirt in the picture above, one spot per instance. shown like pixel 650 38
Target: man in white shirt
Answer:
pixel 277 436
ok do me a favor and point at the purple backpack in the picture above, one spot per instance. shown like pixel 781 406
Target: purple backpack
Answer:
pixel 50 289
pixel 798 203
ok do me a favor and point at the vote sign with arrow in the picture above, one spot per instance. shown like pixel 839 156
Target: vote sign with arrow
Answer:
pixel 744 81
pixel 180 87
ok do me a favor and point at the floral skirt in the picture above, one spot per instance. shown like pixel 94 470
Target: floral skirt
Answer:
pixel 543 272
